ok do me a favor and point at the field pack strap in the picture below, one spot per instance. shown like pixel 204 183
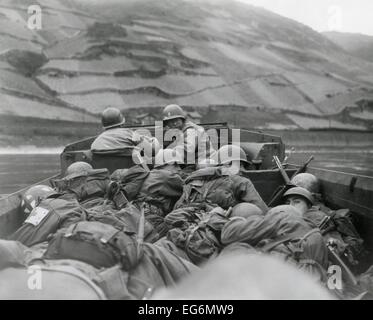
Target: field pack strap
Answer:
pixel 189 238
pixel 70 231
pixel 105 238
pixel 291 237
pixel 202 190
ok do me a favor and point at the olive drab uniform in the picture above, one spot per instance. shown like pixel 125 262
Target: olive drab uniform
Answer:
pixel 96 243
pixel 157 190
pixel 115 139
pixel 196 231
pixel 86 186
pixel 50 215
pixel 61 210
pixel 340 227
pixel 131 180
pixel 155 268
pixel 211 186
pixel 127 218
pixel 163 188
pixel 283 234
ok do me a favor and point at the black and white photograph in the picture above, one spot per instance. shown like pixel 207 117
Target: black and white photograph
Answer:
pixel 186 150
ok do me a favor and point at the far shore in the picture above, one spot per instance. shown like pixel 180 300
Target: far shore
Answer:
pixel 333 140
pixel 30 149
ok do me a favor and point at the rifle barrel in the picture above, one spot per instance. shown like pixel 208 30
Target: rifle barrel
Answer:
pixel 282 171
pixel 304 167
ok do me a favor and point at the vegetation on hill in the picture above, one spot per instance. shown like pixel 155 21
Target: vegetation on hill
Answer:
pixel 222 58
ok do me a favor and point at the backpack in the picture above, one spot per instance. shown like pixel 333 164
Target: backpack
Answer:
pixel 294 250
pixel 126 219
pixel 131 181
pixel 214 191
pixel 198 237
pixel 92 184
pixel 96 243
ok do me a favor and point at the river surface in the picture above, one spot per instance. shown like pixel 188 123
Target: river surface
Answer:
pixel 22 169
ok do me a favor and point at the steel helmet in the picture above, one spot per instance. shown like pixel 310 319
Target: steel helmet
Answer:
pixel 302 192
pixel 33 196
pixel 167 156
pixel 79 167
pixel 246 210
pixel 111 118
pixel 307 181
pixel 173 111
pixel 230 153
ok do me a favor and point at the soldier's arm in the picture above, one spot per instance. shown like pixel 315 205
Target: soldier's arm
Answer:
pixel 314 258
pixel 250 230
pixel 72 213
pixel 217 221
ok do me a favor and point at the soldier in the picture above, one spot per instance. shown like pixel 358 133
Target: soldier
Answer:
pixel 80 186
pixel 301 199
pixel 52 213
pixel 115 137
pixel 33 196
pixel 309 182
pixel 234 158
pixel 196 232
pixel 157 190
pixel 340 221
pixel 192 142
pixel 221 186
pixel 284 232
pixel 338 227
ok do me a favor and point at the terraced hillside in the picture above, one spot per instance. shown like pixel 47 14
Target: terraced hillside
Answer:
pixel 359 45
pixel 234 62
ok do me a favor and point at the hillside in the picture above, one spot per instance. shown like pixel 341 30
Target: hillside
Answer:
pixel 234 62
pixel 359 45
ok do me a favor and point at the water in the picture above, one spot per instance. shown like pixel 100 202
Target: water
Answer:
pixel 355 161
pixel 20 170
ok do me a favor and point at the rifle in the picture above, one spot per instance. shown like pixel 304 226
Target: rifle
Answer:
pixel 278 194
pixel 282 170
pixel 337 259
pixel 323 224
pixel 304 167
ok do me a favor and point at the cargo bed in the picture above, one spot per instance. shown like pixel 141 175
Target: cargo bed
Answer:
pixel 339 189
